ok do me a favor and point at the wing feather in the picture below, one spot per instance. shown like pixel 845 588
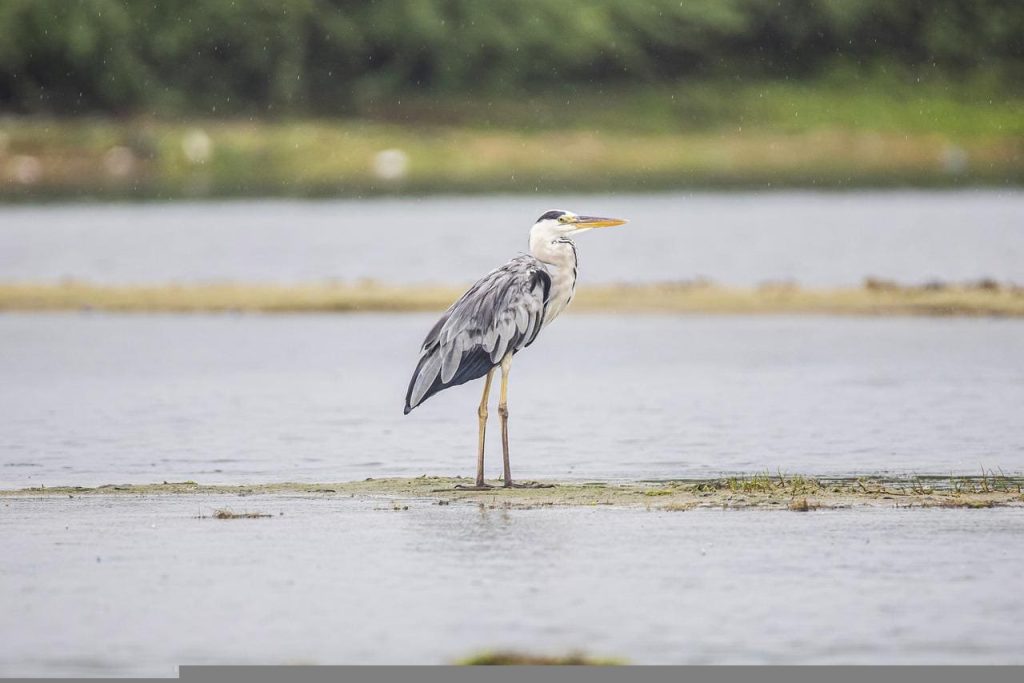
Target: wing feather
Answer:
pixel 500 314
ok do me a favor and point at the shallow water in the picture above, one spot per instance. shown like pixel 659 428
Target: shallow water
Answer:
pixel 91 399
pixel 123 585
pixel 816 239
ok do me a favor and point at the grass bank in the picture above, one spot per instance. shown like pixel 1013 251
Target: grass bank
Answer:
pixel 874 298
pixel 763 491
pixel 752 135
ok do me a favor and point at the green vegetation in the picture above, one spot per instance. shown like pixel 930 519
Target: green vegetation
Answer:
pixel 763 491
pixel 875 298
pixel 298 98
pixel 699 135
pixel 334 57
pixel 856 101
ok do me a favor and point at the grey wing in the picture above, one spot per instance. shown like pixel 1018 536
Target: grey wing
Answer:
pixel 500 314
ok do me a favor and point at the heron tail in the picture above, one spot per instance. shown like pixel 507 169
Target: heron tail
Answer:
pixel 427 380
pixel 423 378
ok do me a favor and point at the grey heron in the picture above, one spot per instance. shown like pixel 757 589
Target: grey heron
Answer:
pixel 497 317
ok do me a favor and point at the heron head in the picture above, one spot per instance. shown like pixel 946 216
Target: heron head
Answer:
pixel 557 223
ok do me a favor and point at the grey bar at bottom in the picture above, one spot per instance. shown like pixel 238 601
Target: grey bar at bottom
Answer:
pixel 602 674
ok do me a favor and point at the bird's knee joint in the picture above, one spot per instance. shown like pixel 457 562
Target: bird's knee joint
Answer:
pixel 482 412
pixel 503 410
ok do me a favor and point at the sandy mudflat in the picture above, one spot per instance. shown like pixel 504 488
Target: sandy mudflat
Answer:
pixel 875 298
pixel 771 492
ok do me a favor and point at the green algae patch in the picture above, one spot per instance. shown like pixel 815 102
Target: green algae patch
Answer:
pixel 760 491
pixel 225 513
pixel 516 658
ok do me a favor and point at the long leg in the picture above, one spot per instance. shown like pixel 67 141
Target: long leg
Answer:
pixel 482 414
pixel 506 364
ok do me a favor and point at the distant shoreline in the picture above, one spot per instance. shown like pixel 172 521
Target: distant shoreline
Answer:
pixel 984 298
pixel 143 159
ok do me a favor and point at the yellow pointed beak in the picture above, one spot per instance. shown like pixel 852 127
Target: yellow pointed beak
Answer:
pixel 598 222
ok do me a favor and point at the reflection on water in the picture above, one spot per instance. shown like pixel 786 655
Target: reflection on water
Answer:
pixel 343 581
pixel 815 239
pixel 99 398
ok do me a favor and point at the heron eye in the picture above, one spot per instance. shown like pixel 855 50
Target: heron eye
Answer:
pixel 563 219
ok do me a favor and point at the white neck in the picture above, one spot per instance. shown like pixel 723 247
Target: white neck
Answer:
pixel 552 248
pixel 557 252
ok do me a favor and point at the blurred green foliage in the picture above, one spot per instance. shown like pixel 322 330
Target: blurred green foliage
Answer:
pixel 341 56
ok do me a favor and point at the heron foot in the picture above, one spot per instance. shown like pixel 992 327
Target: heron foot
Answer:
pixel 527 485
pixel 474 487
